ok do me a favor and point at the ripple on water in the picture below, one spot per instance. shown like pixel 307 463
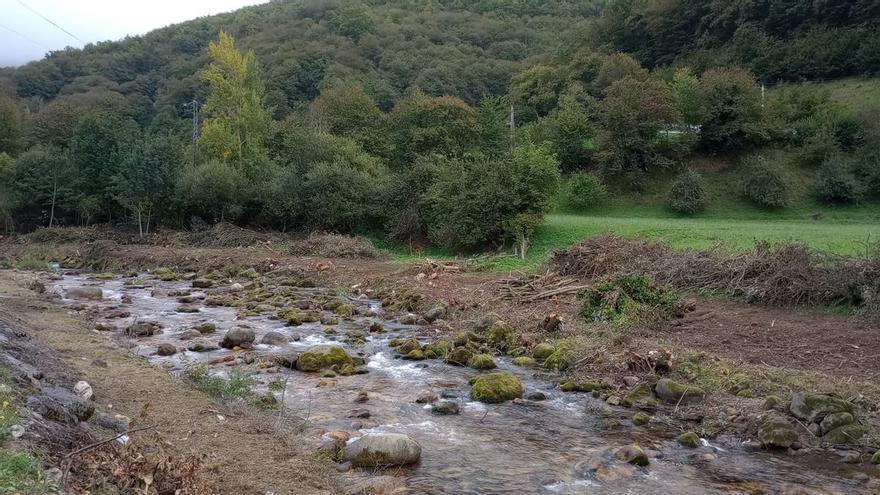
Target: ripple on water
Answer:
pixel 381 361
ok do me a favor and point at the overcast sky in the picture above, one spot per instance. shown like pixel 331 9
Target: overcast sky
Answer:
pixel 26 36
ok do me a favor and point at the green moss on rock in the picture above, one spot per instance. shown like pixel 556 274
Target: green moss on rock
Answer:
pixel 689 439
pixel 482 362
pixel 641 418
pixel 542 351
pixel 524 361
pixel 496 387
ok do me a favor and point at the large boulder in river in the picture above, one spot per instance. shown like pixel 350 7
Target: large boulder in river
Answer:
pixel 323 356
pixel 383 450
pixel 274 338
pixel 242 337
pixel 678 393
pixel 496 387
pixel 93 293
pixel 813 408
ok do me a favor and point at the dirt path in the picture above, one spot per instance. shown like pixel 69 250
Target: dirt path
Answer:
pixel 243 453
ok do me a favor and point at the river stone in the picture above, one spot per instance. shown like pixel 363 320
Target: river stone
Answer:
pixel 205 328
pixel 813 408
pixel 460 356
pixel 486 322
pixel 274 338
pixel 835 420
pixel 537 396
pixel 496 387
pixel 777 431
pixel 426 397
pixel 641 418
pixel 202 283
pixel 188 308
pixel 689 439
pixel 674 392
pixel 383 449
pixel 58 404
pixel 632 454
pixel 166 350
pixel 641 397
pixel 845 434
pixel 323 356
pixel 190 334
pixel 437 312
pixel 445 408
pixel 602 469
pixel 408 346
pixel 142 329
pixel 285 359
pixel 200 346
pixel 93 293
pixel 238 337
pixel 524 361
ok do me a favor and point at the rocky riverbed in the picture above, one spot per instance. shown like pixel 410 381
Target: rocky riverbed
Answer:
pixel 367 395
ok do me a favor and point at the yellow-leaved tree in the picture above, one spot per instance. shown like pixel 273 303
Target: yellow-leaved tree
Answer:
pixel 237 120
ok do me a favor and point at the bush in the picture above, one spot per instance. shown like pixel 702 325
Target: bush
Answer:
pixel 584 190
pixel 835 184
pixel 866 166
pixel 765 185
pixel 628 299
pixel 688 193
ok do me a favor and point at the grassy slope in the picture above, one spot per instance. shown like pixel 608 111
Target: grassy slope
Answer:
pixel 729 220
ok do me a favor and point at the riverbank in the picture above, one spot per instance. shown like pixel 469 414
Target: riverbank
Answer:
pixel 739 355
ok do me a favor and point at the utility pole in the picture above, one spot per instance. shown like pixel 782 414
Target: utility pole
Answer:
pixel 195 127
pixel 512 123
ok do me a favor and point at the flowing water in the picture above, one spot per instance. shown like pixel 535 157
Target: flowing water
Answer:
pixel 532 447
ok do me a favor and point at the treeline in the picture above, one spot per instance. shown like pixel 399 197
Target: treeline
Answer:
pixel 776 39
pixel 449 123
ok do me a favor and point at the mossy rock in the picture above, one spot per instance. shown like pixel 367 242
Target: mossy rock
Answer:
pixel 689 439
pixel 377 327
pixel 439 348
pixel 813 408
pixel 835 420
pixel 460 356
pixel 293 317
pixel 395 342
pixel 542 351
pixel 745 393
pixel 445 408
pixel 846 434
pixel 205 328
pixel 105 276
pixel 641 397
pixel 608 424
pixel 347 370
pixel 777 431
pixel 632 454
pixel 502 336
pixel 774 402
pixel 415 355
pixel 560 360
pixel 678 393
pixel 462 339
pixel 408 346
pixel 322 357
pixel 875 459
pixel 482 362
pixel 494 388
pixel 641 418
pixel 486 322
pixel 524 361
pixel 345 310
pixel 584 386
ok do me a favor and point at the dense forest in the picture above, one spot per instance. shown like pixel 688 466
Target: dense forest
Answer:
pixel 454 123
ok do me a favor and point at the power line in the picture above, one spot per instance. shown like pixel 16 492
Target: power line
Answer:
pixel 21 2
pixel 13 31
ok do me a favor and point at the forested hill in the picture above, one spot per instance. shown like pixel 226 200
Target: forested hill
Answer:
pixel 461 48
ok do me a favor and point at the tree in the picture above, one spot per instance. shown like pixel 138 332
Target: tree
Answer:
pixel 44 179
pixel 685 88
pixel 238 121
pixel 572 131
pixel 11 127
pixel 424 125
pixel 100 143
pixel 537 87
pixel 346 110
pixel 147 178
pixel 688 193
pixel 732 102
pixel 214 190
pixel 7 190
pixel 352 20
pixel 633 114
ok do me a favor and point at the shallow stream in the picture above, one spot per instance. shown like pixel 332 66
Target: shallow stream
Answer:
pixel 528 448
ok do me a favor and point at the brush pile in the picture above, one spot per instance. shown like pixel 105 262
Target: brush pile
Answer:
pixel 779 275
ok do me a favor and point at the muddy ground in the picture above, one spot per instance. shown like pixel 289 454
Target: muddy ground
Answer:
pixel 720 343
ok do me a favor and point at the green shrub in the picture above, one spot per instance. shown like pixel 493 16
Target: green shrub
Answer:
pixel 836 184
pixel 584 190
pixel 22 473
pixel 866 167
pixel 765 185
pixel 817 149
pixel 239 385
pixel 628 299
pixel 688 193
